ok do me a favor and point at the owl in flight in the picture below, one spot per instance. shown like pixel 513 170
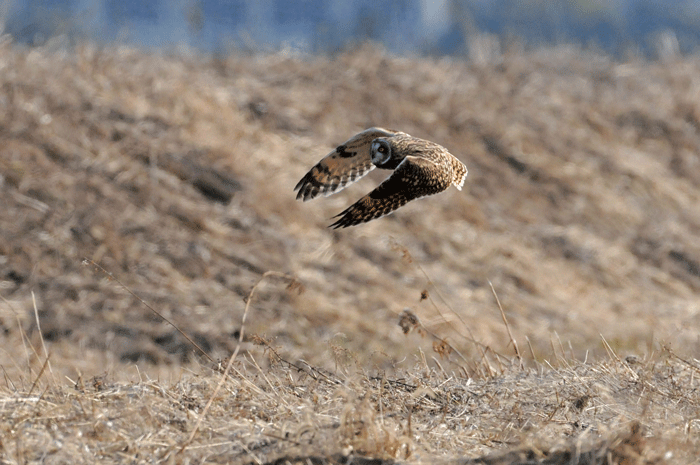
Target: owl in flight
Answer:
pixel 420 168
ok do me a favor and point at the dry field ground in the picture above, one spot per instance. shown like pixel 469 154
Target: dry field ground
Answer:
pixel 174 173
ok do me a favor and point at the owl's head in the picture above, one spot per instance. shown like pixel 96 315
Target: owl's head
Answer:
pixel 380 151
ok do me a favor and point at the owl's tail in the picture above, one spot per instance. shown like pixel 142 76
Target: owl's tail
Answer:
pixel 460 173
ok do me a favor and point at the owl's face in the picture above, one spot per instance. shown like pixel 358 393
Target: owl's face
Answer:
pixel 380 152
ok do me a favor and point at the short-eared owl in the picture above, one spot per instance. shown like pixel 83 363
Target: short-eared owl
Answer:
pixel 420 168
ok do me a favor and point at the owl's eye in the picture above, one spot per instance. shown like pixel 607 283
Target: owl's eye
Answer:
pixel 381 152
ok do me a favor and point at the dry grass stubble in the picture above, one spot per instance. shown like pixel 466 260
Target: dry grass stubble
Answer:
pixel 175 174
pixel 611 412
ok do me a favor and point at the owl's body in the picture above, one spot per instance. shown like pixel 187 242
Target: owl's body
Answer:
pixel 420 168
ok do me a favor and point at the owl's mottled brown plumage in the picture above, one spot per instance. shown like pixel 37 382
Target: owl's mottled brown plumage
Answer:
pixel 420 168
pixel 346 164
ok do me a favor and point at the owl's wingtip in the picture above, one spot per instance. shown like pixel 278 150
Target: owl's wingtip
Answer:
pixel 308 187
pixel 343 220
pixel 303 193
pixel 340 224
pixel 299 187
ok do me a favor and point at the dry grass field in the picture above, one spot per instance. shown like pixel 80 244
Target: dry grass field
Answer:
pixel 144 193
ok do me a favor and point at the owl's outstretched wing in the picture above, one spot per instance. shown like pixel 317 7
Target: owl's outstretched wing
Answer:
pixel 343 166
pixel 415 177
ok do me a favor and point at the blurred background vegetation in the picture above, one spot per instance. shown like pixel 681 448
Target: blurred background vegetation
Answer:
pixel 650 28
